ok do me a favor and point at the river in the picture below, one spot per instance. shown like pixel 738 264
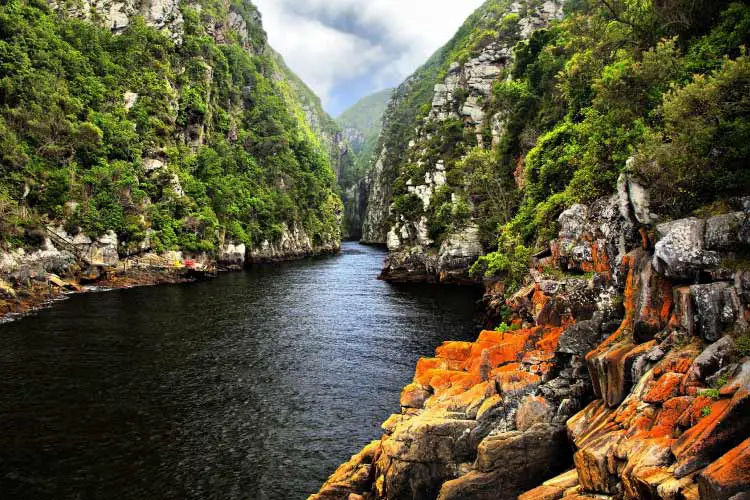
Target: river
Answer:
pixel 252 386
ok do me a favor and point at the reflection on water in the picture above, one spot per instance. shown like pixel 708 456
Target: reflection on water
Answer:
pixel 255 385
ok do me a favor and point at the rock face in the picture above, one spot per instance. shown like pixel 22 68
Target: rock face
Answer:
pixel 294 243
pixel 462 97
pixel 628 382
pixel 355 205
pixel 116 15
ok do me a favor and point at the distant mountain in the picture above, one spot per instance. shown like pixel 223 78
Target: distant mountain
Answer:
pixel 361 125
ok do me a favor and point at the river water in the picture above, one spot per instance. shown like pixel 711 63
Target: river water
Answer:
pixel 252 386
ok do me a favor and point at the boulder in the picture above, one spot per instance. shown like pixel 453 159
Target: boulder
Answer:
pixel 715 308
pixel 727 476
pixel 510 463
pixel 581 338
pixel 722 428
pixel 232 255
pixel 723 231
pixel 713 357
pixel 680 252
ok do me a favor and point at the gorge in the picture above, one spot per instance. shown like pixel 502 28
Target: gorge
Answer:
pixel 576 170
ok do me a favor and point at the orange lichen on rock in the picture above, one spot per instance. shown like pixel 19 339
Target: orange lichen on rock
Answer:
pixel 670 413
pixel 667 387
pixel 724 426
pixel 728 475
pixel 516 382
pixel 550 339
pixel 694 412
pixel 454 351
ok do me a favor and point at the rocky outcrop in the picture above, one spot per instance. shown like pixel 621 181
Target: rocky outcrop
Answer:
pixel 627 381
pixel 462 96
pixel 293 243
pixel 117 14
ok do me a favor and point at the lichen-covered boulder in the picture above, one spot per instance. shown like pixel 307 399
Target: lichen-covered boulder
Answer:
pixel 680 252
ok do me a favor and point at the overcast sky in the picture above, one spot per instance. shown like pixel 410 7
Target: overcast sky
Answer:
pixel 347 49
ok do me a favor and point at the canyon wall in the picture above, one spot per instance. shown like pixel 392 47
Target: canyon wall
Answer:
pixel 420 206
pixel 623 372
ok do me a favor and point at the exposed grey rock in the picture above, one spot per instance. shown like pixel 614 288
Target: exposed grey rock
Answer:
pixel 232 255
pixel 581 338
pixel 714 309
pixel 293 243
pixel 460 249
pixel 723 231
pixel 680 251
pixel 152 164
pixel 573 222
pixel 713 358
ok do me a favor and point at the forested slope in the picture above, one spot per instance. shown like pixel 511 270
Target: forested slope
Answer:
pixel 174 126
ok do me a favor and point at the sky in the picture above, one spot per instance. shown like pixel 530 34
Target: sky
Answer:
pixel 347 49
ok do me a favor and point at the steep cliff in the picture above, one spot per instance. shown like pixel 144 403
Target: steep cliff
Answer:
pixel 160 127
pixel 361 126
pixel 623 367
pixel 536 106
pixel 424 202
pixel 611 163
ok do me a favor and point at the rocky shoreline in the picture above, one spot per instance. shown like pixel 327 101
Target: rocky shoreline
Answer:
pixel 62 264
pixel 623 372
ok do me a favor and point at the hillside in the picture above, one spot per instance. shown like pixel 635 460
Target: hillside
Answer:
pixel 159 128
pixel 588 163
pixel 533 107
pixel 360 127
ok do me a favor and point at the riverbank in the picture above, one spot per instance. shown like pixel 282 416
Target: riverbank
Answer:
pixel 63 264
pixel 38 293
pixel 621 371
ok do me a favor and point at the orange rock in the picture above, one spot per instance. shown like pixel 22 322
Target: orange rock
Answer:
pixel 351 477
pixel 694 412
pixel 666 419
pixel 543 493
pixel 425 365
pixel 728 475
pixel 515 382
pixel 610 367
pixel 679 363
pixel 724 427
pixel 455 351
pixel 533 410
pixel 550 339
pixel 667 387
pixel 414 396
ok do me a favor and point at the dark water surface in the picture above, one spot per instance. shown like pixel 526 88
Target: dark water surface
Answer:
pixel 255 385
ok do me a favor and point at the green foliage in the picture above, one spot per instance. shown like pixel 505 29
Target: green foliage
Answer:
pixel 706 411
pixel 710 393
pixel 223 119
pixel 702 151
pixel 510 261
pixel 743 345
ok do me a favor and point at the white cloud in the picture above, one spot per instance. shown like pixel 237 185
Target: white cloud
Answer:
pixel 331 42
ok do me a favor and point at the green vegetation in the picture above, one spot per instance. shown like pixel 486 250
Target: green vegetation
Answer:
pixel 610 81
pixel 710 393
pixel 743 345
pixel 664 83
pixel 231 152
pixel 607 83
pixel 365 118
